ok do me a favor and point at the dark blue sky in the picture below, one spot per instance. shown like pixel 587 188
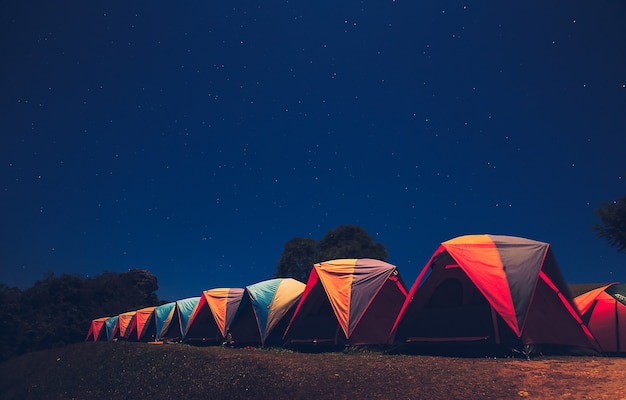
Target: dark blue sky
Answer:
pixel 195 139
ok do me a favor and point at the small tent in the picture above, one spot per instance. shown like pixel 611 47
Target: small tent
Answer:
pixel 604 311
pixel 184 311
pixel 492 291
pixel 347 302
pixel 265 309
pixel 97 331
pixel 120 329
pixel 163 316
pixel 138 328
pixel 109 326
pixel 171 319
pixel 212 316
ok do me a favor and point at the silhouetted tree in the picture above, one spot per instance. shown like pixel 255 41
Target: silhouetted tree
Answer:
pixel 345 241
pixel 299 255
pixel 58 310
pixel 350 241
pixel 11 325
pixel 612 225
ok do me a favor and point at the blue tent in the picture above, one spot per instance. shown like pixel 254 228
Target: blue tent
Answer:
pixel 264 311
pixel 109 325
pixel 172 318
pixel 184 309
pixel 163 315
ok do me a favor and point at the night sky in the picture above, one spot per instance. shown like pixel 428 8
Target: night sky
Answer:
pixel 195 138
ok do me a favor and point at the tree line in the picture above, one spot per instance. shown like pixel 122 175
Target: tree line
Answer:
pixel 57 310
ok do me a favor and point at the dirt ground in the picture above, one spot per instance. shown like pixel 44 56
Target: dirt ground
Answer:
pixel 140 370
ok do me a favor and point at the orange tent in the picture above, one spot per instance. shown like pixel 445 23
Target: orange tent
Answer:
pixel 212 316
pixel 347 301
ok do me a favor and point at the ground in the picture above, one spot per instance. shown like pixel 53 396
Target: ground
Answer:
pixel 139 370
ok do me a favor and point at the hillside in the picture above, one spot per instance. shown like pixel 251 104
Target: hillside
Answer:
pixel 121 370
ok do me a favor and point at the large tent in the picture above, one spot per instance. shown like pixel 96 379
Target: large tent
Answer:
pixel 171 319
pixel 604 311
pixel 97 330
pixel 265 309
pixel 212 316
pixel 491 290
pixel 347 302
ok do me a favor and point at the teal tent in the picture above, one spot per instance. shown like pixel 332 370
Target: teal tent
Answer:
pixel 172 318
pixel 264 312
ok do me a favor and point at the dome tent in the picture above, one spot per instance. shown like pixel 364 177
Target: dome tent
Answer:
pixel 490 291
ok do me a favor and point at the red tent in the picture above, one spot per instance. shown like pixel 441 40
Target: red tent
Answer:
pixel 347 301
pixel 139 322
pixel 497 290
pixel 604 311
pixel 97 330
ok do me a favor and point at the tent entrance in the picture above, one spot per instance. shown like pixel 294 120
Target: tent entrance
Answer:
pixel 451 309
pixel 316 323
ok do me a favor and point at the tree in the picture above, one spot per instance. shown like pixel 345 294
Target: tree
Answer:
pixel 299 255
pixel 345 241
pixel 349 241
pixel 57 310
pixel 612 225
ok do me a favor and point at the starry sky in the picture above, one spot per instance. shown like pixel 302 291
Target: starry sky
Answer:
pixel 195 138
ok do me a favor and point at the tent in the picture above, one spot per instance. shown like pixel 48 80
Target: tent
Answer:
pixel 121 325
pixel 212 316
pixel 109 326
pixel 184 310
pixel 604 311
pixel 347 302
pixel 97 331
pixel 492 291
pixel 137 329
pixel 171 319
pixel 163 316
pixel 265 309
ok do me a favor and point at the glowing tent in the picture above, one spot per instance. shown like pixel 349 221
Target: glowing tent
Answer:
pixel 488 290
pixel 212 316
pixel 604 311
pixel 347 302
pixel 97 331
pixel 265 309
pixel 137 329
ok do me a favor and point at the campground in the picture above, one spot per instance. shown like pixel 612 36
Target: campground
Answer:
pixel 122 370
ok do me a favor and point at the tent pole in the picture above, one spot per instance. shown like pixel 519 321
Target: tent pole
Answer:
pixel 494 320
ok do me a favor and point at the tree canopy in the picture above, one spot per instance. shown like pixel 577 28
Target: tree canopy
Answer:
pixel 612 226
pixel 345 241
pixel 57 310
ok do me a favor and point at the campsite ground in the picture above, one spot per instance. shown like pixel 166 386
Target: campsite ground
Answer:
pixel 139 370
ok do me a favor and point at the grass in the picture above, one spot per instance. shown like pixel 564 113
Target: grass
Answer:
pixel 120 370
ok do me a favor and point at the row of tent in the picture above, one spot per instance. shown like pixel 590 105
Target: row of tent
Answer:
pixel 476 292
